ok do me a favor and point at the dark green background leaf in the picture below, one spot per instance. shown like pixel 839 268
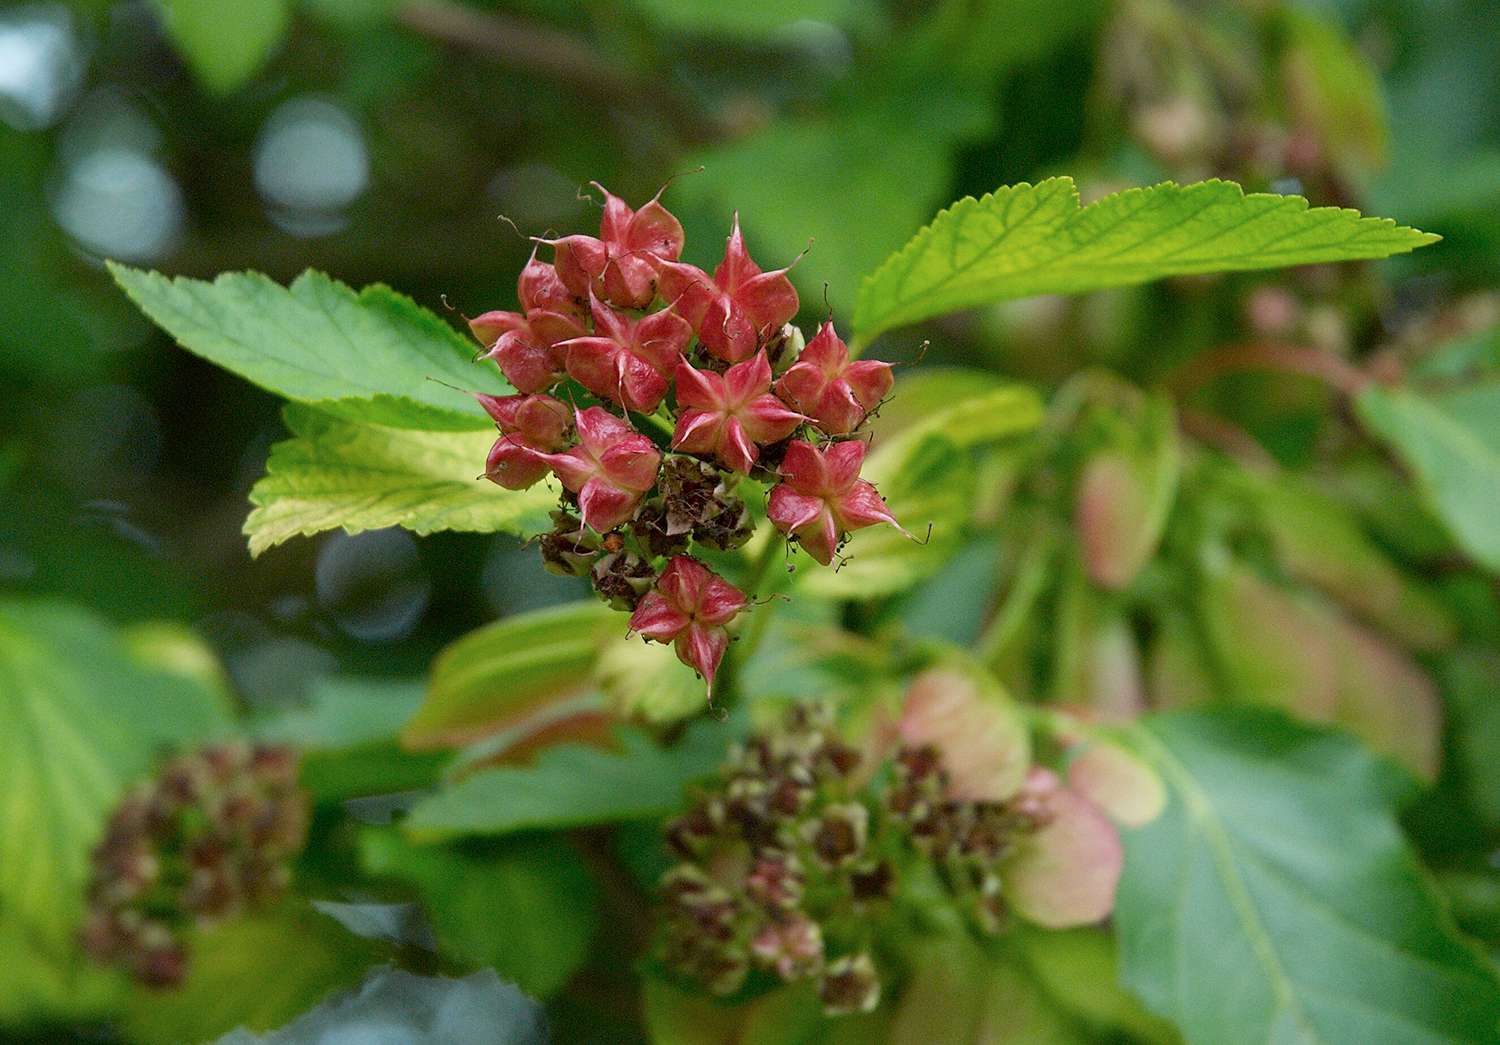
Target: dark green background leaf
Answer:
pixel 1275 899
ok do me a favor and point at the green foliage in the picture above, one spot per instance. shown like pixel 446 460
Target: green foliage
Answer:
pixel 526 909
pixel 80 720
pixel 343 713
pixel 572 785
pixel 1275 899
pixel 924 472
pixel 1319 541
pixel 501 673
pixel 253 972
pixel 1024 239
pixel 645 682
pixel 1451 443
pixel 339 473
pixel 373 357
pixel 225 41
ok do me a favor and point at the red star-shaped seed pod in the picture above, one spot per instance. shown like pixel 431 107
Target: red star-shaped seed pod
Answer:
pixel 689 608
pixel 629 361
pixel 821 497
pixel 610 469
pixel 735 310
pixel 522 343
pixel 529 425
pixel 727 415
pixel 833 391
pixel 620 265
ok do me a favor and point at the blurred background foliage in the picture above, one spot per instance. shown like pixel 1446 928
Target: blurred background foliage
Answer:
pixel 420 142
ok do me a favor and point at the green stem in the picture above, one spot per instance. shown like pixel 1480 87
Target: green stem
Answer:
pixel 660 423
pixel 761 618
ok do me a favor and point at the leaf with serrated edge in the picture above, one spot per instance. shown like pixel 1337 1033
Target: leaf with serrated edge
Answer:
pixel 1027 239
pixel 340 473
pixel 1276 900
pixel 372 356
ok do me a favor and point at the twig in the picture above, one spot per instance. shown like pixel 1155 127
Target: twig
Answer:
pixel 554 54
pixel 1338 374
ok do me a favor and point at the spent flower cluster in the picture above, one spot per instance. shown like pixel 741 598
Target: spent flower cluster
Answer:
pixel 210 836
pixel 790 863
pixel 691 383
pixel 774 862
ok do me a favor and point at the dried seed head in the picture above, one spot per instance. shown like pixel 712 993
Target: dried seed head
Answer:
pixel 849 985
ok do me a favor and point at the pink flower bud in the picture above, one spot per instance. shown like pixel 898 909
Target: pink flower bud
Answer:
pixel 522 342
pixel 540 289
pixel 529 425
pixel 689 608
pixel 620 266
pixel 727 415
pixel 629 361
pixel 739 308
pixel 542 421
pixel 610 469
pixel 636 241
pixel 821 497
pixel 833 391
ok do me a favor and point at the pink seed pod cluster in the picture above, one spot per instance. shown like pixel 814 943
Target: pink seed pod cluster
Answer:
pixel 651 389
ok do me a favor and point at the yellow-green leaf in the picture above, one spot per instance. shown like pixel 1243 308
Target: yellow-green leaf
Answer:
pixel 338 473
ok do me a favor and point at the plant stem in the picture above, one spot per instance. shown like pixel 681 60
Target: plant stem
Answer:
pixel 557 55
pixel 1337 373
pixel 760 617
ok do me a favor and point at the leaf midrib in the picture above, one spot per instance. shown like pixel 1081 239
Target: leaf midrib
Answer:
pixel 1201 810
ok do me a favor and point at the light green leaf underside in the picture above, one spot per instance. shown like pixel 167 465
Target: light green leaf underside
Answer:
pixel 1276 901
pixel 251 973
pixel 340 473
pixel 1451 442
pixel 926 477
pixel 374 355
pixel 80 720
pixel 497 675
pixel 1026 239
pixel 574 785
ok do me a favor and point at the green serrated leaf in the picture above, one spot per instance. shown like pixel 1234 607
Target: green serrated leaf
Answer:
pixel 1451 442
pixel 338 473
pixel 574 785
pixel 80 720
pixel 1026 239
pixel 1275 899
pixel 501 673
pixel 225 42
pixel 536 888
pixel 372 356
